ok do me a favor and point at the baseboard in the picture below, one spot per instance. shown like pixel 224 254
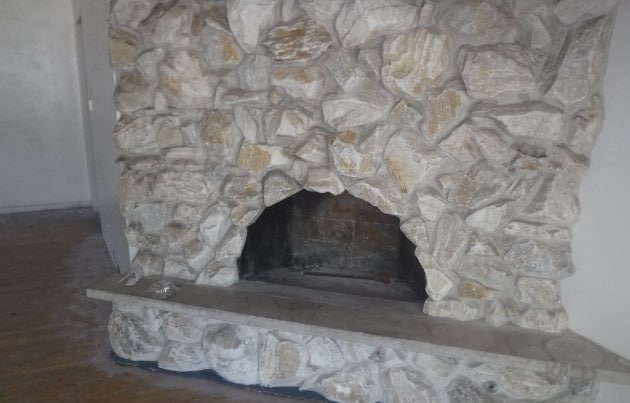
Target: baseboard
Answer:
pixel 42 207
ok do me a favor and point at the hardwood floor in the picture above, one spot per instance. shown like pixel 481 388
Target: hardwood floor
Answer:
pixel 53 342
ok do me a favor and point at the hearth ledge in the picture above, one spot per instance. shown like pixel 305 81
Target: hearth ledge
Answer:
pixel 374 322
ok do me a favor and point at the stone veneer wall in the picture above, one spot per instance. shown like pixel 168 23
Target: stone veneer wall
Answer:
pixel 472 121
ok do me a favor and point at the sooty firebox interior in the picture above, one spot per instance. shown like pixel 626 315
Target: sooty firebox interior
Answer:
pixel 333 243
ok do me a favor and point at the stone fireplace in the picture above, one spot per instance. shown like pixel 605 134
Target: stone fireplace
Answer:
pixel 395 161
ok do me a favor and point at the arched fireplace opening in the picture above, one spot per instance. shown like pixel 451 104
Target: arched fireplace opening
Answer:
pixel 333 243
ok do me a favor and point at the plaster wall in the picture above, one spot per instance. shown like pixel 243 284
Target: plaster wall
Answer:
pixel 597 297
pixel 43 161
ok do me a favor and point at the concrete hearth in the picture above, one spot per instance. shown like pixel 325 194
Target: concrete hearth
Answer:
pixel 470 122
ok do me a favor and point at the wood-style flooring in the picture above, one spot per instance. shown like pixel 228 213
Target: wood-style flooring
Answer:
pixel 53 341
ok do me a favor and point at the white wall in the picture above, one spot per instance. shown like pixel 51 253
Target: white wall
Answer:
pixel 98 87
pixel 597 297
pixel 42 148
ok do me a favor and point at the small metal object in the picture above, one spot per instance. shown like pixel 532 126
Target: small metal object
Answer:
pixel 162 289
pixel 490 386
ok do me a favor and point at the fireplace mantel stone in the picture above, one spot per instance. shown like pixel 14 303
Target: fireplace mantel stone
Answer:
pixel 470 121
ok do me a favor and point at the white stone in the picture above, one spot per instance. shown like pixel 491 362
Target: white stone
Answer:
pixel 409 161
pixel 298 41
pixel 439 284
pixel 487 271
pixel 293 123
pixel 242 189
pixel 555 321
pixel 415 230
pixel 244 215
pixel 379 192
pixel 198 255
pixel 149 61
pixel 431 205
pixel 220 49
pixel 133 93
pixel 348 159
pixel 361 21
pixel 539 292
pixel 282 362
pixel 131 337
pixel 248 119
pixel 182 357
pixel 490 218
pixel 191 158
pixel 569 11
pixel 247 18
pixel 539 260
pixel 192 187
pixel 352 384
pixel 323 180
pixel 404 386
pixel 253 73
pixel 451 239
pixel 481 246
pixel 215 224
pixel 124 46
pixel 444 110
pixel 259 158
pixel 539 37
pixel 172 26
pixel 493 147
pixel 218 275
pixel 504 73
pixel 528 384
pixel 184 80
pixel 231 245
pixel 478 186
pixel 405 115
pixel 324 353
pixel 232 351
pixel 459 310
pixel 366 105
pixel 545 232
pixel 555 200
pixel 137 137
pixel 315 150
pixel 238 96
pixel 588 123
pixel 177 268
pixel 583 63
pixel 536 120
pixel 415 61
pixel 480 23
pixel 496 314
pixel 371 59
pixel 300 82
pixel 278 187
pixel 152 216
pixel 345 70
pixel 132 12
pixel 461 144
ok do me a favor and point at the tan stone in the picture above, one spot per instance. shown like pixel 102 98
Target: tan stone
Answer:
pixel 258 158
pixel 299 82
pixel 184 80
pixel 444 110
pixel 219 135
pixel 124 47
pixel 323 180
pixel 473 290
pixel 479 22
pixel 220 50
pixel 301 40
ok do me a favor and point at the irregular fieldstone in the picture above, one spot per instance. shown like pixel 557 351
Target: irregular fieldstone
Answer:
pixel 220 50
pixel 249 120
pixel 555 200
pixel 215 16
pixel 473 290
pixel 282 362
pixel 536 120
pixel 258 158
pixel 479 22
pixel 183 328
pixel 133 338
pixel 380 193
pixel 278 187
pixel 502 73
pixel 478 186
pixel 323 180
pixel 248 18
pixel 408 68
pixel 588 123
pixel 152 216
pixel 539 292
pixel 405 115
pixel 177 268
pixel 491 217
pixel 198 255
pixel 459 310
pixel 124 47
pixel 253 73
pixel 539 260
pixel 352 384
pixel 237 96
pixel 583 62
pixel 539 37
pixel 451 239
pixel 315 150
pixel 324 353
pixel 493 146
pixel 496 314
pixel 231 246
pixel 345 70
pixel 321 11
pixel 244 215
pixel 362 21
pixel 444 110
pixel 137 136
pixel 569 11
pixel 348 159
pixel 242 189
pixel 366 105
pixel 404 386
pixel 219 135
pixel 292 123
pixel 192 187
pixel 300 82
pixel 408 160
pixel 546 232
pixel 133 93
pixel 218 275
pixel 481 246
pixel 184 80
pixel 182 357
pixel 415 229
pixel 232 351
pixel 439 283
pixel 430 203
pixel 529 384
pixel 463 390
pixel 215 225
pixel 461 144
pixel 171 24
pixel 148 63
pixel 371 59
pixel 552 321
pixel 132 12
pixel 487 271
pixel 297 41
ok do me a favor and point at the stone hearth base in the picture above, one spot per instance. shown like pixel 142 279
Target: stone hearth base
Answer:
pixel 220 329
